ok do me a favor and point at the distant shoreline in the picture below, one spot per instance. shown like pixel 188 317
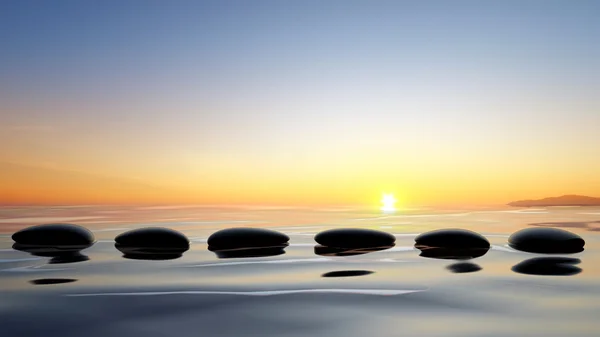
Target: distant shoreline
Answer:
pixel 565 200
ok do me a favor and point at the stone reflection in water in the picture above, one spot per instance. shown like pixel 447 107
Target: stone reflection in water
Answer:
pixel 46 281
pixel 135 253
pixel 347 273
pixel 248 252
pixel 71 258
pixel 451 254
pixel 57 253
pixel 464 267
pixel 549 266
pixel 334 251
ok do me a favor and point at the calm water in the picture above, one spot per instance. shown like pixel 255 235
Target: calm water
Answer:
pixel 387 293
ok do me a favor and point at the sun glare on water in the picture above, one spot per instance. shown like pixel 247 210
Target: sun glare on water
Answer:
pixel 388 202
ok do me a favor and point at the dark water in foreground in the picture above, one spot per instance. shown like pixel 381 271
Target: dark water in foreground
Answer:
pixel 394 292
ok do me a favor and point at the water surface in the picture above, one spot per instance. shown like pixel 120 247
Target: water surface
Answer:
pixel 393 292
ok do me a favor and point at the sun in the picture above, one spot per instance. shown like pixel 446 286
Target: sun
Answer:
pixel 388 202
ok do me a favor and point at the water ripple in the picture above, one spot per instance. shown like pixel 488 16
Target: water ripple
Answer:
pixel 378 292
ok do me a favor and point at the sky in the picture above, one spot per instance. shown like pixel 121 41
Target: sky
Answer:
pixel 298 102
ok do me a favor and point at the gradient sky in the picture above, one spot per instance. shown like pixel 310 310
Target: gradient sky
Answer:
pixel 298 102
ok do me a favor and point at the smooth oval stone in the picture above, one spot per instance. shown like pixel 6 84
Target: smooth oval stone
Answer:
pixel 452 238
pixel 546 240
pixel 354 238
pixel 152 239
pixel 243 237
pixel 55 235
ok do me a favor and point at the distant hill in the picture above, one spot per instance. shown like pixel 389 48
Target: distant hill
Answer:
pixel 565 200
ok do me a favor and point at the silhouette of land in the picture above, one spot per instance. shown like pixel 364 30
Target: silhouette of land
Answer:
pixel 565 200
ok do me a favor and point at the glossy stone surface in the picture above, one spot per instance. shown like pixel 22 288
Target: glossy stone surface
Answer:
pixel 546 240
pixel 355 238
pixel 242 237
pixel 55 235
pixel 152 239
pixel 452 238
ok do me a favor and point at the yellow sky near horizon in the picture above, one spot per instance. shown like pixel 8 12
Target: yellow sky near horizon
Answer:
pixel 22 184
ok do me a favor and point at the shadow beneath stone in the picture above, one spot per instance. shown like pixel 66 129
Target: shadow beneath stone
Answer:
pixel 334 251
pixel 151 254
pixel 71 258
pixel 347 273
pixel 46 281
pixel 248 252
pixel 451 254
pixel 549 266
pixel 464 267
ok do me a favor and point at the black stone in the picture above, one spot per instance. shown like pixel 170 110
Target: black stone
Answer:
pixel 452 239
pixel 546 240
pixel 347 273
pixel 335 251
pixel 65 236
pixel 355 238
pixel 464 267
pixel 152 240
pixel 548 266
pixel 249 252
pixel 242 237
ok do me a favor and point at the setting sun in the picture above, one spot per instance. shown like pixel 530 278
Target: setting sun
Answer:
pixel 388 202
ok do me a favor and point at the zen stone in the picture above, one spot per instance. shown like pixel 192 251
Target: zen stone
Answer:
pixel 355 238
pixel 546 240
pixel 59 236
pixel 452 239
pixel 242 237
pixel 152 240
